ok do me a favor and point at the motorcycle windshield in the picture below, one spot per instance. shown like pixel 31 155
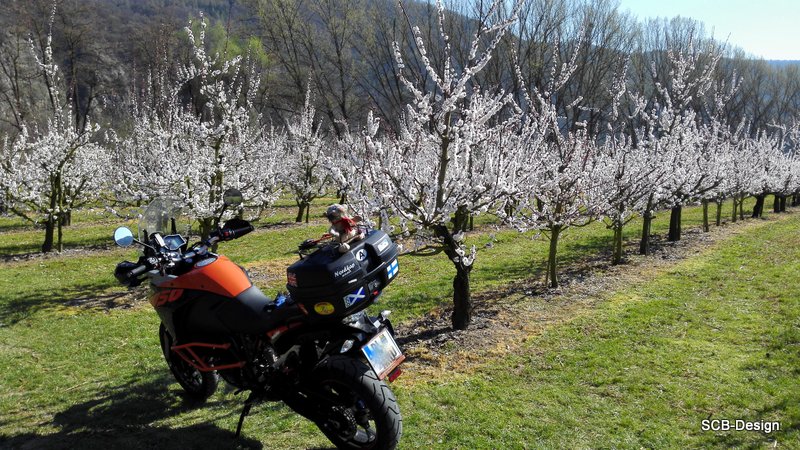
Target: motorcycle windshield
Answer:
pixel 162 215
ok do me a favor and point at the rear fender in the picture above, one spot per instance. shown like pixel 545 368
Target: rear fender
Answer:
pixel 354 334
pixel 314 346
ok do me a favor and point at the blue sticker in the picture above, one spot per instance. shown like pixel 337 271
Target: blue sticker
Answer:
pixel 355 297
pixel 392 269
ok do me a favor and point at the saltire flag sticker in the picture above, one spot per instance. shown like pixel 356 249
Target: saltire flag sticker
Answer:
pixel 355 297
pixel 392 269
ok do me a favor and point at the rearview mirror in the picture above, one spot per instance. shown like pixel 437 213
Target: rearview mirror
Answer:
pixel 123 236
pixel 232 197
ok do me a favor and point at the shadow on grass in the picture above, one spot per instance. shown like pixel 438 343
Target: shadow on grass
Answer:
pixel 85 295
pixel 29 251
pixel 575 259
pixel 20 226
pixel 750 439
pixel 127 417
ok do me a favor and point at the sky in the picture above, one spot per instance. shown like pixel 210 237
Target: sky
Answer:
pixel 763 28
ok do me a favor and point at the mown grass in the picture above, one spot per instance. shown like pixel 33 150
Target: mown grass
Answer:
pixel 715 337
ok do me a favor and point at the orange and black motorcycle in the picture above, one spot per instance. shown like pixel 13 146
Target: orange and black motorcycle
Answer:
pixel 314 348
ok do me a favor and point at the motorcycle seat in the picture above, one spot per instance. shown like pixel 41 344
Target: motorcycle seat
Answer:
pixel 264 314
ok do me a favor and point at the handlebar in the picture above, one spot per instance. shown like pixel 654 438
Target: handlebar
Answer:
pixel 234 233
pixel 163 260
pixel 223 234
pixel 304 248
pixel 137 271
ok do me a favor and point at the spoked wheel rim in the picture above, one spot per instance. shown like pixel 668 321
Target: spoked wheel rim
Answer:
pixel 196 384
pixel 186 372
pixel 180 368
pixel 350 419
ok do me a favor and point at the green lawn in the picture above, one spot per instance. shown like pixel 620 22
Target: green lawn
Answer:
pixel 715 336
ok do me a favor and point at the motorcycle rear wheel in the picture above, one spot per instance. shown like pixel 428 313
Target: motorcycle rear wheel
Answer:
pixel 366 415
pixel 196 384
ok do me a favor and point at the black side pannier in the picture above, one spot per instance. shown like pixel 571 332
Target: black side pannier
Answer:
pixel 331 285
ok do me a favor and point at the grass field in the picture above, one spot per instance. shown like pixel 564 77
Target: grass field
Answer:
pixel 713 336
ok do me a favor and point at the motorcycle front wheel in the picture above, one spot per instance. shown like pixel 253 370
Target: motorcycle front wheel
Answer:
pixel 365 414
pixel 196 384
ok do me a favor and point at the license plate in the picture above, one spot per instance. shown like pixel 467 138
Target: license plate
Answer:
pixel 383 353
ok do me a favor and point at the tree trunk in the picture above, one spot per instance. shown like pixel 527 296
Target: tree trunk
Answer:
pixel 462 298
pixel 207 225
pixel 301 209
pixel 66 218
pixel 49 227
pixel 60 241
pixel 734 216
pixel 617 256
pixel 644 244
pixel 343 197
pixel 783 203
pixel 719 212
pixel 460 220
pixel 741 207
pixel 776 204
pixel 552 272
pixel 758 209
pixel 675 224
pixel 510 207
pixel 705 216
pixel 795 199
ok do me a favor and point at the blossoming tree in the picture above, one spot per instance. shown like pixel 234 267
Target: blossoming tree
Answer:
pixel 195 148
pixel 450 157
pixel 49 169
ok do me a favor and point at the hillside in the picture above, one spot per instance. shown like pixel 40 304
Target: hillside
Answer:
pixel 783 63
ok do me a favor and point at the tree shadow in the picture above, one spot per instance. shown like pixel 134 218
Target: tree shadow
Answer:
pixel 576 259
pixel 278 225
pixel 424 334
pixel 27 251
pixel 789 426
pixel 130 416
pixel 7 256
pixel 83 295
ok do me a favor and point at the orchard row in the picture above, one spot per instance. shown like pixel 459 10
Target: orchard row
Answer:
pixel 461 150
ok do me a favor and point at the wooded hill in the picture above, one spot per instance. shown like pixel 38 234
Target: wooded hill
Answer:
pixel 343 52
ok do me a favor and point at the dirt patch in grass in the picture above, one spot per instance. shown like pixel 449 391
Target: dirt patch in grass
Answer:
pixel 85 250
pixel 270 274
pixel 505 319
pixel 133 298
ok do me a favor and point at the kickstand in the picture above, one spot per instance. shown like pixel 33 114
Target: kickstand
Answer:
pixel 245 412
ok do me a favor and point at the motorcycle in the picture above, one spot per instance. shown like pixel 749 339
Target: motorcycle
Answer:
pixel 314 348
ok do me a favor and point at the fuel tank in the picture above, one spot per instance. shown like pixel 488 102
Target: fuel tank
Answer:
pixel 218 275
pixel 215 296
